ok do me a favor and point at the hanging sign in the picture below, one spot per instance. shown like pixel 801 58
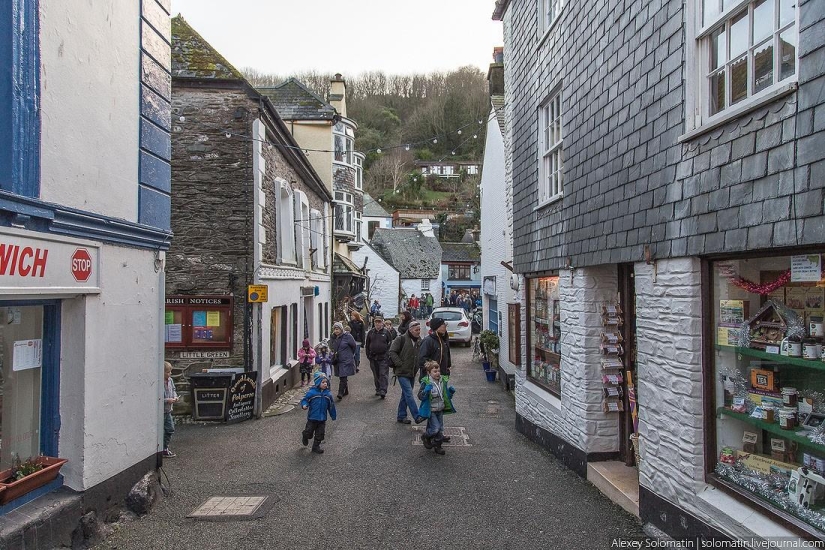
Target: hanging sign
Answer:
pixel 257 293
pixel 806 268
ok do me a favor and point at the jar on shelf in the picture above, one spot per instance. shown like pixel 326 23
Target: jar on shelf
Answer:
pixel 787 418
pixel 790 397
pixel 815 327
pixel 811 349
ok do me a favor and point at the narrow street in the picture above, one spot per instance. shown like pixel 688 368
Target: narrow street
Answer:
pixel 375 488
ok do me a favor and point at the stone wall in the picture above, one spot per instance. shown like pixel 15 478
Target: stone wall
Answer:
pixel 669 385
pixel 576 417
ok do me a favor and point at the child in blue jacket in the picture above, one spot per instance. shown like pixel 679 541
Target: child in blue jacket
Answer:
pixel 317 402
pixel 436 399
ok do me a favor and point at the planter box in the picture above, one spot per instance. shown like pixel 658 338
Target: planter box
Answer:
pixel 16 489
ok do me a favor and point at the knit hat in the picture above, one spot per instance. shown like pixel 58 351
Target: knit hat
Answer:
pixel 414 324
pixel 436 322
pixel 317 378
pixel 305 343
pixel 339 325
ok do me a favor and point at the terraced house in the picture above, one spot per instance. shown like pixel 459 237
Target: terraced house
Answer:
pixel 668 161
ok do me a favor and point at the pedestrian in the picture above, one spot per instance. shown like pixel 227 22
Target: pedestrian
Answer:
pixel 414 306
pixel 318 403
pixel 429 304
pixel 392 331
pixel 324 359
pixel 356 327
pixel 404 324
pixel 375 309
pixel 306 360
pixel 343 348
pixel 404 357
pixel 436 399
pixel 436 347
pixel 377 345
pixel 170 397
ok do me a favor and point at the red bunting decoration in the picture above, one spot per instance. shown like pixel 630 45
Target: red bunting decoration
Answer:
pixel 766 288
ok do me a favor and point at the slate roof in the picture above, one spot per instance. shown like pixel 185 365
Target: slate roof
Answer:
pixel 373 208
pixel 294 101
pixel 460 252
pixel 194 57
pixel 408 251
pixel 498 107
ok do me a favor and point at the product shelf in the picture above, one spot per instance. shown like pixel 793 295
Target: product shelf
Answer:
pixel 814 364
pixel 797 434
pixel 546 350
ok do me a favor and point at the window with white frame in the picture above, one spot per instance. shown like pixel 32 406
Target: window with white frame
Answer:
pixel 358 226
pixel 344 139
pixel 286 225
pixel 550 150
pixel 316 240
pixel 359 171
pixel 744 50
pixel 425 284
pixel 548 12
pixel 344 212
pixel 472 169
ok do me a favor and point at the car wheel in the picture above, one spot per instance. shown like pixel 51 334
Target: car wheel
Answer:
pixel 468 342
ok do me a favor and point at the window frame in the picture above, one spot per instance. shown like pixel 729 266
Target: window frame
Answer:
pixel 454 272
pixel 425 285
pixel 287 248
pixel 359 171
pixel 347 209
pixel 545 26
pixel 698 53
pixel 346 133
pixel 550 191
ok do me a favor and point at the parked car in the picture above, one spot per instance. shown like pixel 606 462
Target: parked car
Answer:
pixel 458 324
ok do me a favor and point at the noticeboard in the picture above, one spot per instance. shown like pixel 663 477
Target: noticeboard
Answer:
pixel 241 398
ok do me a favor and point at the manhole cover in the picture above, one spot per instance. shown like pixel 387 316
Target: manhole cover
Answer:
pixel 457 435
pixel 227 508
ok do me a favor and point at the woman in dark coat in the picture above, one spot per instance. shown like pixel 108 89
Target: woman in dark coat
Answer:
pixel 356 328
pixel 343 345
pixel 404 325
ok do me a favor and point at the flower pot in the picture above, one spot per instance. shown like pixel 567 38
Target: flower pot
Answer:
pixel 491 375
pixel 485 365
pixel 12 489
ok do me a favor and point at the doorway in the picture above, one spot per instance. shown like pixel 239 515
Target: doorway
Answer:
pixel 629 418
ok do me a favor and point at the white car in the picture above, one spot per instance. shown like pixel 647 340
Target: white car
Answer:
pixel 458 324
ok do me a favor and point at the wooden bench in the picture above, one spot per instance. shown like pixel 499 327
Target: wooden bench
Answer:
pixel 507 374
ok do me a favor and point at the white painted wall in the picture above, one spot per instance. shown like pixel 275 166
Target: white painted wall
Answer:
pixel 384 279
pixel 110 370
pixel 496 240
pixel 90 115
pixel 577 417
pixel 413 286
pixel 383 223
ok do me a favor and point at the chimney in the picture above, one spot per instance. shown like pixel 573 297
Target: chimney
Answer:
pixel 426 228
pixel 495 76
pixel 338 94
pixel 468 236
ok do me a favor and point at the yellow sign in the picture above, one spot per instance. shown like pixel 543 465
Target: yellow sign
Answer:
pixel 257 293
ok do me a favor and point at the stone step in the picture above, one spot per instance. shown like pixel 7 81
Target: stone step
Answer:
pixel 617 482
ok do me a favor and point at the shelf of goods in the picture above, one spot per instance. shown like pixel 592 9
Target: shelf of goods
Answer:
pixel 814 364
pixel 797 434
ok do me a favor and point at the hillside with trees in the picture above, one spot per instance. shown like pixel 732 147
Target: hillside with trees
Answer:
pixel 404 118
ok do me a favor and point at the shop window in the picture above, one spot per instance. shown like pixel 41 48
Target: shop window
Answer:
pixel 768 378
pixel 198 322
pixel 544 344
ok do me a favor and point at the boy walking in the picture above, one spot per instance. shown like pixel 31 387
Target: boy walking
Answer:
pixel 318 402
pixel 436 399
pixel 170 397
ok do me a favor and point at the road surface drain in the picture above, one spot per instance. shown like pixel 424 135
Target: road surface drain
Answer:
pixel 232 508
pixel 456 434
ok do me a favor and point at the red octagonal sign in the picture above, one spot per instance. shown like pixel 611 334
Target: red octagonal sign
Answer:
pixel 81 265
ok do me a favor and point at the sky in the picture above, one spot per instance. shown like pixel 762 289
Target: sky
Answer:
pixel 347 36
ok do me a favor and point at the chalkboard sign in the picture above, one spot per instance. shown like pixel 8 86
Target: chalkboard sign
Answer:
pixel 241 401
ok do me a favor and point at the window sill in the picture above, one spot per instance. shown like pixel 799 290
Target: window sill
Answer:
pixel 552 200
pixel 740 110
pixel 550 28
pixel 542 392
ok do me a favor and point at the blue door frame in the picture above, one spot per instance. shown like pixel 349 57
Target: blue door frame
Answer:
pixel 50 374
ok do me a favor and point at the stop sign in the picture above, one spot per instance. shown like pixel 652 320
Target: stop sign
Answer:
pixel 81 265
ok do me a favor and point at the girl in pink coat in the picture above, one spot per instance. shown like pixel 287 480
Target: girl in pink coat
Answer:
pixel 306 358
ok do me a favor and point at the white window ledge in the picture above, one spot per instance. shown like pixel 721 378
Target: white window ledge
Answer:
pixel 749 105
pixel 538 393
pixel 745 515
pixel 551 27
pixel 554 199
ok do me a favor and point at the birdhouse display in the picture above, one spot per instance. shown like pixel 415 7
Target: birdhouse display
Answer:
pixel 769 326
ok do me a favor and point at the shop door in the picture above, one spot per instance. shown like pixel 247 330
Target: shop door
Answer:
pixel 629 418
pixel 28 382
pixel 492 315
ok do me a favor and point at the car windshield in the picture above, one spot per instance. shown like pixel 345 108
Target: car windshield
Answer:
pixel 448 315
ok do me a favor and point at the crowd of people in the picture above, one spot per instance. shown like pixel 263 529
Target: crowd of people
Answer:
pixel 403 350
pixel 418 307
pixel 468 301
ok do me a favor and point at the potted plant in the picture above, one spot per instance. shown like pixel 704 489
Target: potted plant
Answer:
pixel 27 475
pixel 489 345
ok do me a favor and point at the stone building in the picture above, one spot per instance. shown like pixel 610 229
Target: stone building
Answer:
pixel 248 209
pixel 323 129
pixel 667 180
pixel 84 226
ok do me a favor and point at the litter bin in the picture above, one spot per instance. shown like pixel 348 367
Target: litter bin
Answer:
pixel 209 390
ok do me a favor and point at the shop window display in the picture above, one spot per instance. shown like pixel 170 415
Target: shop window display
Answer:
pixel 545 337
pixel 769 382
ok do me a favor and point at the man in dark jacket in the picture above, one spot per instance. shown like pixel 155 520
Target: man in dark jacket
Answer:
pixel 435 347
pixel 377 345
pixel 404 357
